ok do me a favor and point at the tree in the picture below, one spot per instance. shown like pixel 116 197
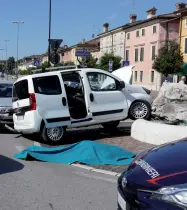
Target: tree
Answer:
pixel 11 63
pixel 169 59
pixel 90 61
pixel 104 61
pixel 68 63
pixel 43 65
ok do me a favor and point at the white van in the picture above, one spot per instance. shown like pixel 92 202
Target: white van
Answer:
pixel 48 103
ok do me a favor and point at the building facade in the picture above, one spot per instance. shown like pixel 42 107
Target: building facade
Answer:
pixel 181 12
pixel 142 43
pixel 112 41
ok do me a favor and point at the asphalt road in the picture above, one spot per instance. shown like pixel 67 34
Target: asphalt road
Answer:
pixel 32 185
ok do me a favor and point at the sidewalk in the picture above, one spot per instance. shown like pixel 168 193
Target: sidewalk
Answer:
pixel 126 142
pixel 121 137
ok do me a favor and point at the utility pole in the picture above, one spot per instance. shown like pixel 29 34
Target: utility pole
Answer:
pixel 18 23
pixel 6 48
pixel 49 38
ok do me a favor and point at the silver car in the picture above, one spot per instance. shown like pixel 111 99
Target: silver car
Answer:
pixel 6 111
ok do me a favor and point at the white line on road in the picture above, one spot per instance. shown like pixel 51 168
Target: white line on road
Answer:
pixel 95 177
pixel 37 144
pixel 20 148
pixel 111 173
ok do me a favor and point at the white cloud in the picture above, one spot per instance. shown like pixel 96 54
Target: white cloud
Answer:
pixel 112 17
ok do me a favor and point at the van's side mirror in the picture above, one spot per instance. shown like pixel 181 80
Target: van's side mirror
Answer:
pixel 121 85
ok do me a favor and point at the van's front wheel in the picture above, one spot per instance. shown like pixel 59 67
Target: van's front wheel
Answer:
pixel 53 135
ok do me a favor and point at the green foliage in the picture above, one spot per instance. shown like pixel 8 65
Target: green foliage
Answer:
pixel 90 62
pixel 104 61
pixel 43 65
pixel 68 63
pixel 11 63
pixel 169 59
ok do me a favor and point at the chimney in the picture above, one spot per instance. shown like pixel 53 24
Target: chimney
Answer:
pixel 151 12
pixel 105 27
pixel 133 18
pixel 83 41
pixel 180 5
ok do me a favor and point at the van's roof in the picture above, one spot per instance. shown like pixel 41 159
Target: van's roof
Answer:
pixel 53 72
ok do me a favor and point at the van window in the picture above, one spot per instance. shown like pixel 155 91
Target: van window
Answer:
pixel 101 82
pixel 20 90
pixel 49 85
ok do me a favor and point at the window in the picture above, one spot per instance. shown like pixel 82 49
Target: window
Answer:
pixel 121 49
pixel 128 36
pixel 154 29
pixel 121 37
pixel 185 22
pixel 20 90
pixel 153 52
pixel 152 76
pixel 143 32
pixel 114 38
pixel 141 54
pixel 137 33
pixel 136 55
pixel 48 85
pixel 127 55
pixel 5 90
pixel 141 76
pixel 66 53
pixel 185 45
pixel 135 76
pixel 101 82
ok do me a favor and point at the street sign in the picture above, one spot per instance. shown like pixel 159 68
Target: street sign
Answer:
pixel 126 63
pixel 55 43
pixel 110 66
pixel 82 52
pixel 36 62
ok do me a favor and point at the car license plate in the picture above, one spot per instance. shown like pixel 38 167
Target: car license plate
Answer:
pixel 20 117
pixel 121 202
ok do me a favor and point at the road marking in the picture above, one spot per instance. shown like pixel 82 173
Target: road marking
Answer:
pixel 111 173
pixel 37 144
pixel 20 148
pixel 95 177
pixel 82 166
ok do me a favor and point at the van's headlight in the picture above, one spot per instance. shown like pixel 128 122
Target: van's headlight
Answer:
pixel 171 195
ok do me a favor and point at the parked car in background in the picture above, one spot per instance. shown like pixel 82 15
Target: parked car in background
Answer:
pixel 6 111
pixel 156 179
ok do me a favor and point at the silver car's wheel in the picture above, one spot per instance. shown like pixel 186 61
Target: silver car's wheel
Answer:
pixel 55 134
pixel 140 110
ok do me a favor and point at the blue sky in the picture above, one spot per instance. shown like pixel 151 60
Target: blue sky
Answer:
pixel 72 20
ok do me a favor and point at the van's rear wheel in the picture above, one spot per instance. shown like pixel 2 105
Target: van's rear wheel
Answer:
pixel 111 125
pixel 53 135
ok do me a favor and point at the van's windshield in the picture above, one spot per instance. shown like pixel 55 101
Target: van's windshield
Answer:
pixel 5 90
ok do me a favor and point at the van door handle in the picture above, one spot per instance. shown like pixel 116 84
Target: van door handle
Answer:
pixel 91 97
pixel 64 101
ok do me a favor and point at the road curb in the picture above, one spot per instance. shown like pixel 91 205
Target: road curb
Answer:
pixel 92 169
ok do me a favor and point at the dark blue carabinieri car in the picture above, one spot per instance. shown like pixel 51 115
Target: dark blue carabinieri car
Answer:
pixel 156 179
